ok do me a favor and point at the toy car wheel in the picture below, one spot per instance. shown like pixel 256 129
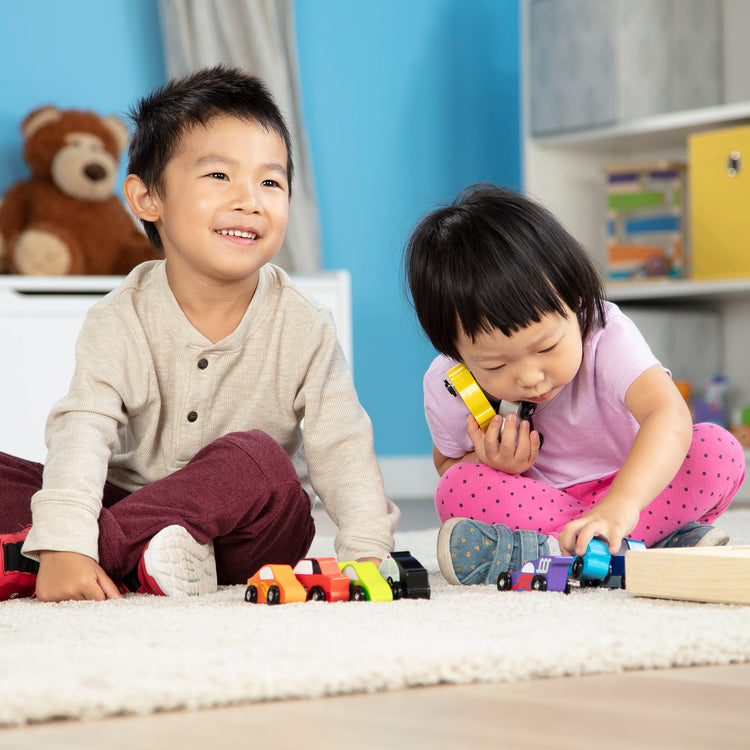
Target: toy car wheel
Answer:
pixel 316 594
pixel 576 568
pixel 273 595
pixel 606 578
pixel 251 594
pixel 539 583
pixel 504 582
pixel 357 594
pixel 396 588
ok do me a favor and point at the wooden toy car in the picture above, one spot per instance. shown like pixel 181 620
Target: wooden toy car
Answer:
pixel 462 383
pixel 600 568
pixel 617 565
pixel 405 575
pixel 547 573
pixel 322 579
pixel 597 567
pixel 592 568
pixel 275 584
pixel 365 583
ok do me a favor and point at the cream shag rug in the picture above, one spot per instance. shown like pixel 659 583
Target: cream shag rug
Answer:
pixel 144 654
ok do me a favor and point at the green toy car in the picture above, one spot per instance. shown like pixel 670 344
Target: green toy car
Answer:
pixel 365 583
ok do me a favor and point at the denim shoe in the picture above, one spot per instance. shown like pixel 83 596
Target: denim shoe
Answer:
pixel 695 535
pixel 175 564
pixel 472 552
pixel 17 573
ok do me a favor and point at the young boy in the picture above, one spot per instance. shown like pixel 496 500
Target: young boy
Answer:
pixel 169 464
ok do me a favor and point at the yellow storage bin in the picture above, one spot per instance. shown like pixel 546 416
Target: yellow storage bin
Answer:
pixel 719 180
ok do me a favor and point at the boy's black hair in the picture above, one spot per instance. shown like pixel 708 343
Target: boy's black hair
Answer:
pixel 494 259
pixel 161 119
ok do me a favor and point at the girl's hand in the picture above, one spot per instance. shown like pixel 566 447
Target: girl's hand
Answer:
pixel 68 575
pixel 513 452
pixel 611 521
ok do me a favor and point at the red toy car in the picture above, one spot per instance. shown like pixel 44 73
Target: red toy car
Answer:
pixel 322 579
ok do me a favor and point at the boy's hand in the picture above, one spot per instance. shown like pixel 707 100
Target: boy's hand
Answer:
pixel 611 521
pixel 64 576
pixel 513 452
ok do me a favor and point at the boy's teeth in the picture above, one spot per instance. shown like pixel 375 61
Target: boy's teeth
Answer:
pixel 237 233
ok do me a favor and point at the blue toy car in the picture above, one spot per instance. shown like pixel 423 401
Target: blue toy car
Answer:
pixel 597 567
pixel 617 577
pixel 592 568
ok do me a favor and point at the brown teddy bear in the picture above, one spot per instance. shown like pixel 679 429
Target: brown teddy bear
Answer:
pixel 66 218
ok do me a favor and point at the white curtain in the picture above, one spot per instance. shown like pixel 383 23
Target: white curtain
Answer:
pixel 258 36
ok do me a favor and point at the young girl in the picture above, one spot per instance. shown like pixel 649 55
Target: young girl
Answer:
pixel 501 287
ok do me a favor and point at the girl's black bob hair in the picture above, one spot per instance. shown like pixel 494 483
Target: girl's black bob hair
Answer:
pixel 494 259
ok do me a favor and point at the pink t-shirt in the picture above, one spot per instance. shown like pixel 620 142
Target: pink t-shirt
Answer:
pixel 588 430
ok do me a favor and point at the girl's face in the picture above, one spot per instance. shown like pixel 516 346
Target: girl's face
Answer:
pixel 532 364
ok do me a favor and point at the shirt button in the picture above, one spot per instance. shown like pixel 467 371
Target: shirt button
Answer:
pixel 192 416
pixel 202 363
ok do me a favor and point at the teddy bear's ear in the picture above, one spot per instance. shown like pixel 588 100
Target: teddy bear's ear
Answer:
pixel 38 119
pixel 118 130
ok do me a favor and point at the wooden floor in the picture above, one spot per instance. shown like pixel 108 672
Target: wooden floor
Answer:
pixel 706 707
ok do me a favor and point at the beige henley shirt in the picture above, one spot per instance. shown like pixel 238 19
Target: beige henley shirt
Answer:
pixel 137 378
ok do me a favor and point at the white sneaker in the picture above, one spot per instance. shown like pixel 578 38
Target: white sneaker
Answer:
pixel 175 564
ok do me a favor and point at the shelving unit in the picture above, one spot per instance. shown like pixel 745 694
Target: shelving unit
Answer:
pixel 564 172
pixel 677 290
pixel 654 131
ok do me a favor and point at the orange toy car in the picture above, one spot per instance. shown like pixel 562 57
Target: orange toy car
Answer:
pixel 275 584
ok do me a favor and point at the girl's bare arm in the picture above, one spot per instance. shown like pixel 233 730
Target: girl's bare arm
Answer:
pixel 659 448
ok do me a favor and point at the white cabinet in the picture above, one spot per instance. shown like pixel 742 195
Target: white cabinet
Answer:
pixel 40 318
pixel 39 323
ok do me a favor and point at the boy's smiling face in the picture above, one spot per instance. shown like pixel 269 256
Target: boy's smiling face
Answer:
pixel 223 205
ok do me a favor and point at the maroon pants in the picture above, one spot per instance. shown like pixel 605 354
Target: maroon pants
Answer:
pixel 241 492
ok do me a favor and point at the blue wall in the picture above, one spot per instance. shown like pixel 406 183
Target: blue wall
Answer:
pixel 406 102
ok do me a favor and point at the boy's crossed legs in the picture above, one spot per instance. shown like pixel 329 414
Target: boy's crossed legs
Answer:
pixel 238 498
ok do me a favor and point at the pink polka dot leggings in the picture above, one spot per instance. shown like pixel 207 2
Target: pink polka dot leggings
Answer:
pixel 701 491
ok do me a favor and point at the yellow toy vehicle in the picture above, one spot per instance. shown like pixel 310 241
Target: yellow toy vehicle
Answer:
pixel 461 383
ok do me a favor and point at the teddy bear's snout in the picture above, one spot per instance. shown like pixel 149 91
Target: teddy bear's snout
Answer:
pixel 95 172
